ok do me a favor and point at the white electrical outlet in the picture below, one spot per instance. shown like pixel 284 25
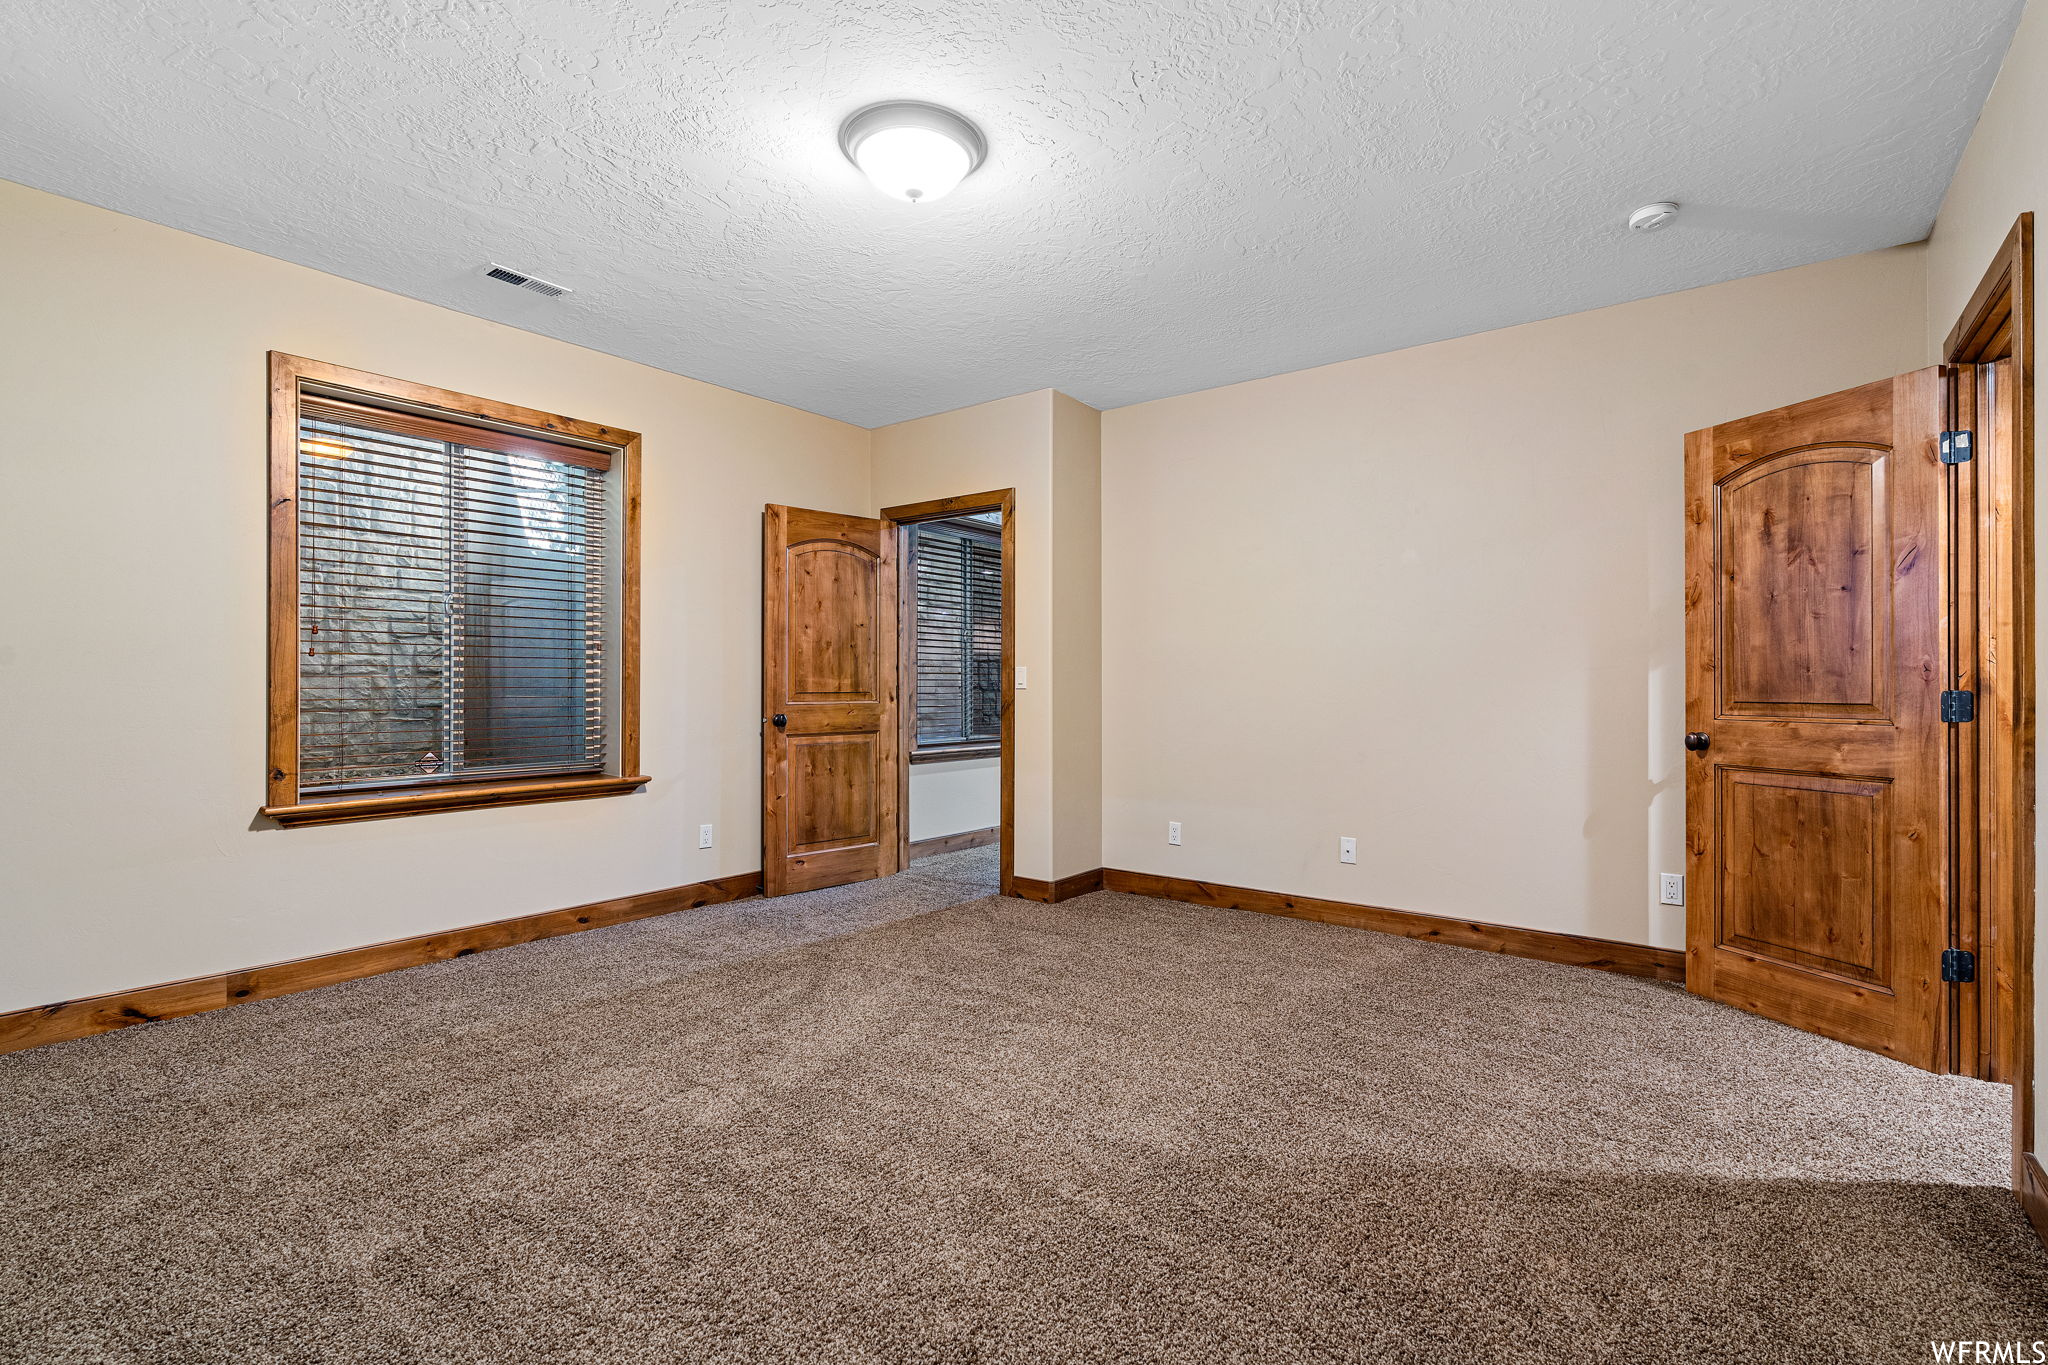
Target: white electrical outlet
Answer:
pixel 1671 888
pixel 703 836
pixel 1173 831
pixel 1347 850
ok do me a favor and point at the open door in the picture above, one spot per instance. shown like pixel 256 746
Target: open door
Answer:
pixel 1817 656
pixel 828 688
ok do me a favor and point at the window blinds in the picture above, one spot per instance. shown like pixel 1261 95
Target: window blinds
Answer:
pixel 959 577
pixel 452 615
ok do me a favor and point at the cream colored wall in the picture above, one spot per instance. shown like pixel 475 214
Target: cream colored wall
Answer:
pixel 1077 635
pixel 953 798
pixel 1004 444
pixel 1042 444
pixel 1432 600
pixel 132 666
pixel 2003 174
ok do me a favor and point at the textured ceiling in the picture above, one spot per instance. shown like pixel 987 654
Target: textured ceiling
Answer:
pixel 1177 195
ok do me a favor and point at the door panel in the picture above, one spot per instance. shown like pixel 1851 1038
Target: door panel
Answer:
pixel 832 612
pixel 832 790
pixel 1805 878
pixel 1801 590
pixel 828 671
pixel 1817 815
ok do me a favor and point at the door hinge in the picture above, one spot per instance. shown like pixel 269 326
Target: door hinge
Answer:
pixel 1958 706
pixel 1955 447
pixel 1957 965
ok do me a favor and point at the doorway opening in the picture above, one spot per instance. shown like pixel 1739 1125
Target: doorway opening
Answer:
pixel 1988 363
pixel 840 702
pixel 957 640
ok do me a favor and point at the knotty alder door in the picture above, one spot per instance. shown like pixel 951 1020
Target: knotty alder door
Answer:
pixel 828 675
pixel 1816 656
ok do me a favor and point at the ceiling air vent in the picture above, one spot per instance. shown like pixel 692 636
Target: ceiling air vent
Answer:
pixel 538 286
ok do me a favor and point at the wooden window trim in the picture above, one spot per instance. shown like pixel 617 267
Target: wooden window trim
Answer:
pixel 952 750
pixel 953 753
pixel 289 374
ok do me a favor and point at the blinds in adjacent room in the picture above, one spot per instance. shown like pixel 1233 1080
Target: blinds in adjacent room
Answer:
pixel 959 577
pixel 452 612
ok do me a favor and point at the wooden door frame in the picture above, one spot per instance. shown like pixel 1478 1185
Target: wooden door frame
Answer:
pixel 1994 869
pixel 895 520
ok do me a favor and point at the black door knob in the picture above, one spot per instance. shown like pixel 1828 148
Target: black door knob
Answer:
pixel 1697 740
pixel 780 720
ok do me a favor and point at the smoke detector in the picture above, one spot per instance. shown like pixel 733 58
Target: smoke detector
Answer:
pixel 1650 217
pixel 507 275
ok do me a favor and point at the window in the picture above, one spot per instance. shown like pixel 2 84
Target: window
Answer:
pixel 957 567
pixel 452 588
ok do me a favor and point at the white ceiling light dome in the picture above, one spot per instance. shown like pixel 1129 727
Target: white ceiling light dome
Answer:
pixel 912 150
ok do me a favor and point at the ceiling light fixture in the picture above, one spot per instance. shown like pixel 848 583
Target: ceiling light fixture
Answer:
pixel 912 150
pixel 1650 217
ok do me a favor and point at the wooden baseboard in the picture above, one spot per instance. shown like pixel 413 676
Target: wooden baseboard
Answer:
pixel 954 843
pixel 81 1018
pixel 1659 964
pixel 2033 1193
pixel 1065 889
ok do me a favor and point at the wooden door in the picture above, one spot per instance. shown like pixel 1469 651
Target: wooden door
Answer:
pixel 828 675
pixel 1816 657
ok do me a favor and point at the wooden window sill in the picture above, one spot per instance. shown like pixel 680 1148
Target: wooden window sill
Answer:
pixel 955 753
pixel 386 805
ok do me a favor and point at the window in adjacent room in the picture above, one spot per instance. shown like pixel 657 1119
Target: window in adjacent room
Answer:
pixel 957 568
pixel 452 600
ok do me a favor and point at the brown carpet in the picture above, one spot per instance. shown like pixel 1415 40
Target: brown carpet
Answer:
pixel 881 1124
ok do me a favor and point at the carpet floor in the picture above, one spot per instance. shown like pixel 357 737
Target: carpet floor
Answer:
pixel 912 1121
